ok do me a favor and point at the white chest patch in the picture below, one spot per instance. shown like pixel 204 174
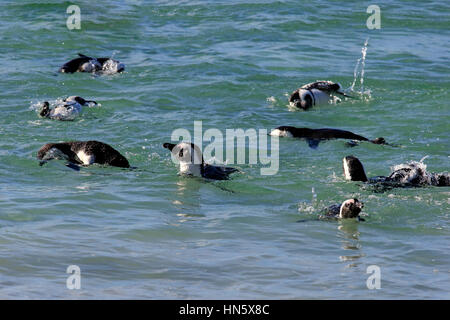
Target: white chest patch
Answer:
pixel 86 159
pixel 346 170
pixel 190 168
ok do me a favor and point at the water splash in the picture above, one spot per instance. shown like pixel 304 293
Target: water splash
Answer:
pixel 358 72
pixel 423 159
pixel 414 172
pixel 314 196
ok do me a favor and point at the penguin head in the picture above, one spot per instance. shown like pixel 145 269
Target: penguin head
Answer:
pixel 379 140
pixel 189 157
pixel 113 66
pixel 283 131
pixel 306 99
pixel 350 208
pixel 45 111
pixel 120 67
pixel 443 179
pixel 353 169
pixel 48 152
pixel 302 99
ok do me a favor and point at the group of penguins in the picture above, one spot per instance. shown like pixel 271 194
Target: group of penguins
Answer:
pixel 189 155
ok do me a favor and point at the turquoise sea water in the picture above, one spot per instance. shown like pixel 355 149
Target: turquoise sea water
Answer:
pixel 149 233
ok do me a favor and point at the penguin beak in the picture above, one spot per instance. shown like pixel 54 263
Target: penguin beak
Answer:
pixel 360 204
pixel 169 146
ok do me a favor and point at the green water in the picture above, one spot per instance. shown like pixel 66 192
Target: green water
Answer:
pixel 149 233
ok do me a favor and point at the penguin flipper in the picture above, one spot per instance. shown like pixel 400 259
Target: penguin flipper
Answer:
pixel 307 220
pixel 73 166
pixel 345 95
pixel 217 172
pixel 352 143
pixel 327 86
pixel 313 143
pixel 83 56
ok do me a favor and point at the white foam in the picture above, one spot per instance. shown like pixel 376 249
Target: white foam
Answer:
pixel 414 170
pixel 111 66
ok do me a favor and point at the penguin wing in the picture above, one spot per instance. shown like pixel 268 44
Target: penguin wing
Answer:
pixel 216 172
pixel 313 143
pixel 103 60
pixel 84 56
pixel 329 133
pixel 73 166
pixel 326 86
pixel 330 213
pixel 73 65
pixel 333 211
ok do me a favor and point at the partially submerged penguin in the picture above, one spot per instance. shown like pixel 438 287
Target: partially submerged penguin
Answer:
pixel 82 153
pixel 88 64
pixel 68 110
pixel 191 162
pixel 314 136
pixel 315 94
pixel 412 174
pixel 349 209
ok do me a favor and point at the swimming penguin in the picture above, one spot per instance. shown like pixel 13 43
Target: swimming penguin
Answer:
pixel 315 94
pixel 66 111
pixel 314 136
pixel 89 64
pixel 410 174
pixel 82 153
pixel 191 162
pixel 350 208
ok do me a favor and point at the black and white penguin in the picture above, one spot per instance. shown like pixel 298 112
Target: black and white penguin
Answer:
pixel 82 153
pixel 410 174
pixel 314 136
pixel 350 208
pixel 191 162
pixel 69 109
pixel 315 94
pixel 89 64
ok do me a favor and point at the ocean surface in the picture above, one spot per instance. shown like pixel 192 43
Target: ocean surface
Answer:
pixel 148 233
